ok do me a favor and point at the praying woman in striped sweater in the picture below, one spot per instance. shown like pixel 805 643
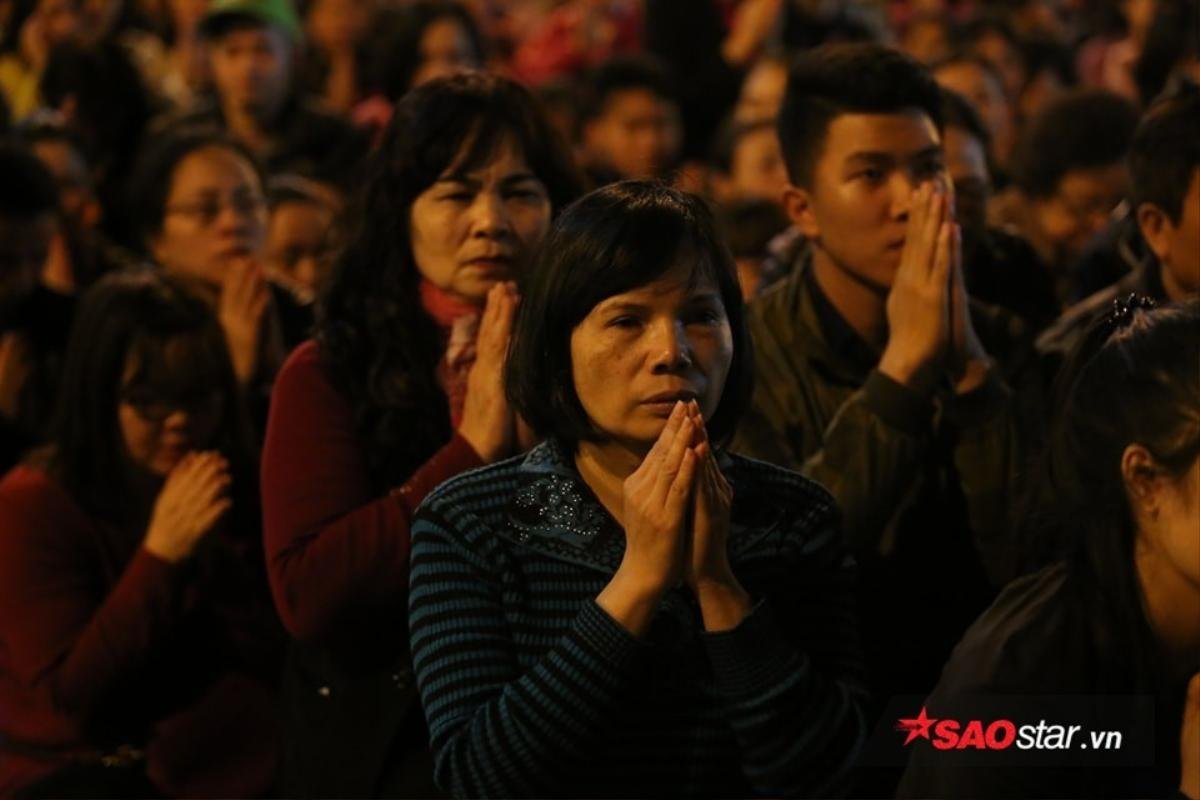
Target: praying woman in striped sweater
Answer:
pixel 628 609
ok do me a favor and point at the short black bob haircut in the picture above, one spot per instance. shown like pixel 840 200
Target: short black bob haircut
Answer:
pixel 835 79
pixel 615 239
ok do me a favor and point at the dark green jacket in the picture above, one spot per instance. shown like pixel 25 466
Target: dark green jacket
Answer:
pixel 925 485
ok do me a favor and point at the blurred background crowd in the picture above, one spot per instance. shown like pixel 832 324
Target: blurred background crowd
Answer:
pixel 236 147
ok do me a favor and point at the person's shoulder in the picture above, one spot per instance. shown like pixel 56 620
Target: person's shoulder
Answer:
pixel 1061 337
pixel 31 500
pixel 1028 640
pixel 760 486
pixel 482 492
pixel 304 362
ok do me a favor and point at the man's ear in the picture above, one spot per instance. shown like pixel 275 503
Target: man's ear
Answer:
pixel 1156 228
pixel 1142 478
pixel 797 202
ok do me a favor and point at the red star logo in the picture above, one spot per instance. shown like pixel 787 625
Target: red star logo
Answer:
pixel 916 727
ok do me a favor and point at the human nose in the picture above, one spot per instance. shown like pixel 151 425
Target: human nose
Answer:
pixel 670 348
pixel 491 218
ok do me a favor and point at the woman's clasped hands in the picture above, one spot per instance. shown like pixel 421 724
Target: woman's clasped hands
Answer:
pixel 676 511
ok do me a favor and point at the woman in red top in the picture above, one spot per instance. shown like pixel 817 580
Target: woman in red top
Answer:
pixel 401 390
pixel 135 630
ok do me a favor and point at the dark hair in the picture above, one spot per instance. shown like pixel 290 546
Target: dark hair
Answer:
pixel 1165 152
pixel 1082 129
pixel 112 105
pixel 750 225
pixel 140 316
pixel 155 172
pixel 623 73
pixel 292 189
pixel 394 47
pixel 1133 377
pixel 957 112
pixel 377 341
pixel 617 238
pixel 1170 40
pixel 832 80
pixel 27 189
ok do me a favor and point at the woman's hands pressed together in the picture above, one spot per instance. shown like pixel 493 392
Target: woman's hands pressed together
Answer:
pixel 488 422
pixel 676 515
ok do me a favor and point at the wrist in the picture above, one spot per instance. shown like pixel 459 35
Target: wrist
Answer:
pixel 974 374
pixel 723 602
pixel 912 373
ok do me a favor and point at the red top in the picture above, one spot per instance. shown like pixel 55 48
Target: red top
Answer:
pixel 332 543
pixel 103 643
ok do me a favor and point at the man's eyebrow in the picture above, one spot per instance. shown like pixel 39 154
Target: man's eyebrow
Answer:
pixel 871 156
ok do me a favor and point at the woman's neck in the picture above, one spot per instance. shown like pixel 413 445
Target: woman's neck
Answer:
pixel 1172 603
pixel 604 468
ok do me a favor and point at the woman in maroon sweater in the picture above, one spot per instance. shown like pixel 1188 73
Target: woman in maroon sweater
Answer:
pixel 135 630
pixel 401 389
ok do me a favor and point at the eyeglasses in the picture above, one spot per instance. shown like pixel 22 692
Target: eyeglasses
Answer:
pixel 155 408
pixel 206 211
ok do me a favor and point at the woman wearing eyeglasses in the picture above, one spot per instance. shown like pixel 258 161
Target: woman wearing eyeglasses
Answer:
pixel 203 219
pixel 138 646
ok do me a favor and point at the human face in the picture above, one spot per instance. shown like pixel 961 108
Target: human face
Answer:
pixel 215 213
pixel 1172 534
pixel 160 426
pixel 298 242
pixel 251 69
pixel 856 210
pixel 637 135
pixel 983 91
pixel 470 230
pixel 638 352
pixel 1004 56
pixel 967 166
pixel 445 49
pixel 58 20
pixel 1081 206
pixel 757 171
pixel 762 91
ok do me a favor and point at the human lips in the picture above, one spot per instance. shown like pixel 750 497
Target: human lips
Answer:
pixel 671 397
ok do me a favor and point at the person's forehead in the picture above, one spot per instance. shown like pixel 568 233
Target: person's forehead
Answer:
pixel 250 34
pixel 685 280
pixel 212 166
pixel 1108 179
pixel 635 100
pixel 901 134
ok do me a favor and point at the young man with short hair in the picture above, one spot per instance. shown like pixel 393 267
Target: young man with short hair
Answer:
pixel 1069 177
pixel 252 47
pixel 871 377
pixel 631 124
pixel 1164 167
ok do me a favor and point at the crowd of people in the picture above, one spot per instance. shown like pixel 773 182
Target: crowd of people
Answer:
pixel 422 398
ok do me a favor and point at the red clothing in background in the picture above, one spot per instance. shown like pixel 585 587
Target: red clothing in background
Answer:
pixel 104 644
pixel 332 544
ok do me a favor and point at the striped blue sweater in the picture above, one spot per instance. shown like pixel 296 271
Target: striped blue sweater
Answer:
pixel 530 689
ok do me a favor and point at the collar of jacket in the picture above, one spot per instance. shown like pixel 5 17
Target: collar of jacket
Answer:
pixel 788 310
pixel 553 511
